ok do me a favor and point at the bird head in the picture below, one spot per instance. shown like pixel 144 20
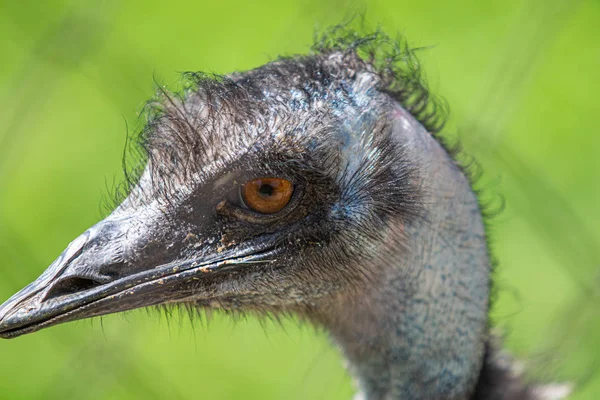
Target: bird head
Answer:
pixel 267 190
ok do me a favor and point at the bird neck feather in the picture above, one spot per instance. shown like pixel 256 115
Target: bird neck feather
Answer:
pixel 419 329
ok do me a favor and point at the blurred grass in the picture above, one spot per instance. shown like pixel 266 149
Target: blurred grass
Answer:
pixel 521 78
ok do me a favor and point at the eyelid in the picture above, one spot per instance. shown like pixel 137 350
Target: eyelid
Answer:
pixel 240 197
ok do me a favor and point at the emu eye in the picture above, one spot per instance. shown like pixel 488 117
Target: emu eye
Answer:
pixel 267 195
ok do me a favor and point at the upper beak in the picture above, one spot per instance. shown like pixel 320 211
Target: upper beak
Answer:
pixel 92 277
pixel 89 278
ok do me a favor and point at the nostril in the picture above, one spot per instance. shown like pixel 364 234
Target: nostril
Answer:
pixel 71 285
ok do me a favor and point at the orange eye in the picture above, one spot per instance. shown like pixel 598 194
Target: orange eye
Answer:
pixel 267 195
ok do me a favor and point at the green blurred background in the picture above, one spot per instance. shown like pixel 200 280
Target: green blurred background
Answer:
pixel 522 79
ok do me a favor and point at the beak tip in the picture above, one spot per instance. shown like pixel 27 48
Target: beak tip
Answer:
pixel 18 312
pixel 16 322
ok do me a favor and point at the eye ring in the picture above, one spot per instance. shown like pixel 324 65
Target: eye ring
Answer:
pixel 267 195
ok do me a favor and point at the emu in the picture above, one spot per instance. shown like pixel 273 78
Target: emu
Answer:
pixel 314 185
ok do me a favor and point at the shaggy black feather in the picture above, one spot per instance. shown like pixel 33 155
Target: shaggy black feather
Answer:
pixel 498 380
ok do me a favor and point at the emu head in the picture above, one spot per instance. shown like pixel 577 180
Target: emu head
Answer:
pixel 311 185
pixel 265 190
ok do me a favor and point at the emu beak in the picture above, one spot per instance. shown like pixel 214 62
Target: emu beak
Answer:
pixel 91 278
pixel 85 280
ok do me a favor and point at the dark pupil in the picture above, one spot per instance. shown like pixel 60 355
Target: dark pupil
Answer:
pixel 266 190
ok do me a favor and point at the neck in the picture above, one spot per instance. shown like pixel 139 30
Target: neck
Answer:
pixel 419 331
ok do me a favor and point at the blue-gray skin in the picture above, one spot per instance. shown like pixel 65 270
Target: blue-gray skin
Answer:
pixel 382 243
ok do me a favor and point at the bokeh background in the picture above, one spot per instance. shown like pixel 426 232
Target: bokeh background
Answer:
pixel 522 80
